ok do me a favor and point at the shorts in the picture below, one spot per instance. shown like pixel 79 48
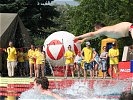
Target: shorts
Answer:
pixel 88 66
pixel 79 64
pixel 70 64
pixel 104 70
pixel 94 63
pixel 104 66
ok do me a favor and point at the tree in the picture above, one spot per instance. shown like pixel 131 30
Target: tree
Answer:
pixel 107 11
pixel 35 14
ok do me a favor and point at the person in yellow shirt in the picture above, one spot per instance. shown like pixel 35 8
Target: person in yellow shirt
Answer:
pixel 20 56
pixel 31 57
pixel 88 57
pixel 114 59
pixel 69 56
pixel 40 60
pixel 11 59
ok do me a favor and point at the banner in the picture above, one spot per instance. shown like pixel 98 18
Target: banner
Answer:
pixel 124 70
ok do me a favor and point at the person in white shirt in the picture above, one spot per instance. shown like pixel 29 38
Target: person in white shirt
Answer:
pixel 103 57
pixel 78 61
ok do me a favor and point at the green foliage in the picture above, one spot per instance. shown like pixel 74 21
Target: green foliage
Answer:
pixel 35 14
pixel 106 11
pixel 90 11
pixel 40 18
pixel 38 41
pixel 62 21
pixel 6 1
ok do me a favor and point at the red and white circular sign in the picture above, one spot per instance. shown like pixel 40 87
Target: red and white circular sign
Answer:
pixel 56 45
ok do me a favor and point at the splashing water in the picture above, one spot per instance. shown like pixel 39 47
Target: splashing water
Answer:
pixel 80 89
pixel 95 89
pixel 90 90
pixel 30 94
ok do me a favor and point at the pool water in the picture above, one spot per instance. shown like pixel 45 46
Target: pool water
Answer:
pixel 89 89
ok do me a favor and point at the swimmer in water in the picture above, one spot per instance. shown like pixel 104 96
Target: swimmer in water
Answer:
pixel 42 85
pixel 40 91
pixel 115 31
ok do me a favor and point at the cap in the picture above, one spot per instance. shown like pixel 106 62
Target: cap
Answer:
pixel 113 44
pixel 88 43
pixel 94 49
pixel 69 46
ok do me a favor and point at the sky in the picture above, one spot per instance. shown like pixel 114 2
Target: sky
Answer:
pixel 63 0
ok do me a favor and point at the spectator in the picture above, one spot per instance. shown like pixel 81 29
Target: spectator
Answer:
pixel 69 56
pixel 40 60
pixel 113 60
pixel 11 59
pixel 88 55
pixel 20 56
pixel 43 63
pixel 103 57
pixel 26 62
pixel 78 61
pixel 95 63
pixel 31 57
pixel 130 52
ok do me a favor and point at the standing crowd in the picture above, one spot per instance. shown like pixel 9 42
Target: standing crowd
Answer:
pixel 32 62
pixel 88 60
pixel 26 62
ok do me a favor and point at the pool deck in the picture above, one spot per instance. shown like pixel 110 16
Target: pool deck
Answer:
pixel 4 81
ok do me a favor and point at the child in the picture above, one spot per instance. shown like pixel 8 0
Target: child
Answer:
pixel 77 61
pixel 103 57
pixel 95 63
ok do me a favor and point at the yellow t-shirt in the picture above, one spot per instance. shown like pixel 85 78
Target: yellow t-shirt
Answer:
pixel 114 52
pixel 88 54
pixel 69 55
pixel 31 55
pixel 20 57
pixel 39 57
pixel 12 54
